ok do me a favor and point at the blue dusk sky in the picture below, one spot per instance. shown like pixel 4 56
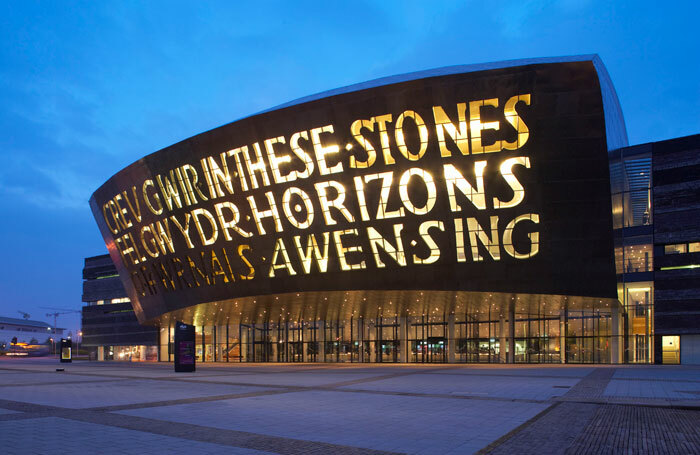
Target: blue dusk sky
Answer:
pixel 86 88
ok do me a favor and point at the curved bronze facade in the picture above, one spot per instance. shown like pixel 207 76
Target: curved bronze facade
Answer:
pixel 438 191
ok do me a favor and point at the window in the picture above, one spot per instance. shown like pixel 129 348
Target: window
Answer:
pixel 671 349
pixel 677 248
pixel 638 257
pixel 693 247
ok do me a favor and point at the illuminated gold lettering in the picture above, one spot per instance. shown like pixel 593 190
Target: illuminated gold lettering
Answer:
pixel 477 126
pixel 146 278
pixel 301 154
pixel 217 269
pixel 424 232
pixel 208 176
pixel 381 121
pixel 343 251
pixel 161 233
pixel 163 275
pixel 230 224
pixel 533 236
pixel 114 210
pixel 290 214
pixel 383 211
pixel 443 125
pixel 454 178
pixel 169 190
pixel 251 269
pixel 323 150
pixel 219 175
pixel 259 215
pixel 153 253
pixel 376 241
pixel 206 214
pixel 112 229
pixel 252 167
pixel 129 250
pixel 459 240
pixel 477 233
pixel 506 169
pixel 361 200
pixel 183 186
pixel 512 117
pixel 286 264
pixel 192 184
pixel 356 130
pixel 313 251
pixel 336 203
pixel 257 166
pixel 200 270
pixel 184 230
pixel 236 153
pixel 123 214
pixel 276 160
pixel 138 283
pixel 136 212
pixel 179 269
pixel 422 133
pixel 224 255
pixel 429 184
pixel 147 200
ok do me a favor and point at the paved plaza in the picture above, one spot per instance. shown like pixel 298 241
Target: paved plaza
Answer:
pixel 114 408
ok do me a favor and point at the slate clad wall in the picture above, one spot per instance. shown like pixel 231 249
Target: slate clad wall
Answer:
pixel 676 177
pixel 111 324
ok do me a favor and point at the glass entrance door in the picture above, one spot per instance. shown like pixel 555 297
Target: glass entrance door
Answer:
pixel 429 341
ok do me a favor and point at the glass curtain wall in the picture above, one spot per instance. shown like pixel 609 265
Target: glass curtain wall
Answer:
pixel 631 185
pixel 574 336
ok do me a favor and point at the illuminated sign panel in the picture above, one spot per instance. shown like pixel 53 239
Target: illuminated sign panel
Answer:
pixel 487 181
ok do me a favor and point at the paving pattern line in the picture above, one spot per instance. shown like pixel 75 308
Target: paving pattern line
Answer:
pixel 192 432
pixel 665 403
pixel 492 375
pixel 498 442
pixel 39 384
pixel 156 404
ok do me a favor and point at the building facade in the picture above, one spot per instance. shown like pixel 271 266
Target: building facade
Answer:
pixel 27 331
pixel 109 325
pixel 489 213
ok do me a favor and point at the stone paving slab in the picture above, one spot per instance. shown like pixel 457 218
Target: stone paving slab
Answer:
pixel 391 423
pixel 24 378
pixel 92 394
pixel 355 409
pixel 518 371
pixel 529 388
pixel 305 379
pixel 666 390
pixel 656 373
pixel 41 436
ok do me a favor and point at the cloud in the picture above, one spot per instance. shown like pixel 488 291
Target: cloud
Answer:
pixel 51 188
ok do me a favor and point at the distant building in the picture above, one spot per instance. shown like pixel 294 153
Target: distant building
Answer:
pixel 26 331
pixel 109 326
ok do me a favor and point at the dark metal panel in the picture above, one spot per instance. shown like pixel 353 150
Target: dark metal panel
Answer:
pixel 566 186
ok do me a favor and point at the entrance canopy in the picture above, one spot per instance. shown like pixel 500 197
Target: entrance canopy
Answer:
pixel 338 305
